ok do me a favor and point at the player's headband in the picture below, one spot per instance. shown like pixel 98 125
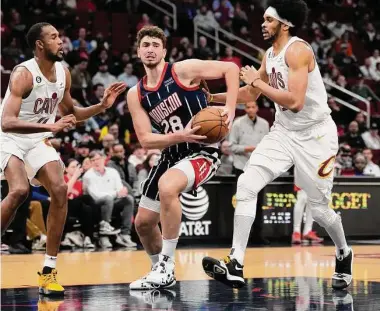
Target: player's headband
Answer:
pixel 272 12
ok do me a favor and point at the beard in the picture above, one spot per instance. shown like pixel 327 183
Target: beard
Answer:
pixel 53 57
pixel 151 64
pixel 272 38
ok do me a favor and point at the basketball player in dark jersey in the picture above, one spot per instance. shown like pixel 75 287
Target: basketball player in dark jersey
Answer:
pixel 167 98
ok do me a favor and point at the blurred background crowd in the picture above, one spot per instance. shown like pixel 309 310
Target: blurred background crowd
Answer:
pixel 100 48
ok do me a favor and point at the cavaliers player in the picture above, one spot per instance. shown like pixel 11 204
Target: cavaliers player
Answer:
pixel 37 89
pixel 303 135
pixel 167 98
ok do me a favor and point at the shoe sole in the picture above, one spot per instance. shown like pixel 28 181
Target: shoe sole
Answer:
pixel 347 284
pixel 109 233
pixel 154 286
pixel 215 270
pixel 50 292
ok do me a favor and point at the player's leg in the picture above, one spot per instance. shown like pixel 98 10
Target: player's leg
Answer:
pixel 308 234
pixel 299 208
pixel 18 184
pixel 44 163
pixel 270 159
pixel 315 168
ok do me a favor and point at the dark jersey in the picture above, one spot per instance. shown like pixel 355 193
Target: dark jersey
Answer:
pixel 170 106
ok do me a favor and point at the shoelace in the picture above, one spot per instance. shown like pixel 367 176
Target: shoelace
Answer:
pixel 52 277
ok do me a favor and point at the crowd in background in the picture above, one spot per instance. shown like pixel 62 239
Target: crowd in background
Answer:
pixel 346 48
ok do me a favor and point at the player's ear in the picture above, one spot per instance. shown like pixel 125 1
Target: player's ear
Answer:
pixel 165 51
pixel 285 27
pixel 39 44
pixel 138 52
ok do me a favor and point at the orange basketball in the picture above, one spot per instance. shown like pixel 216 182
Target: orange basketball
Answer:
pixel 212 124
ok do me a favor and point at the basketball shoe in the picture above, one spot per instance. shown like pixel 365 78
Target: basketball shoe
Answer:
pixel 161 276
pixel 312 237
pixel 296 238
pixel 227 271
pixel 48 284
pixel 343 300
pixel 343 271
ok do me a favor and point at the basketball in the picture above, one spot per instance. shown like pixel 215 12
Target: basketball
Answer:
pixel 212 124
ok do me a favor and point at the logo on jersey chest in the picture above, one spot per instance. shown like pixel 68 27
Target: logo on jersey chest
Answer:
pixel 276 80
pixel 165 108
pixel 46 105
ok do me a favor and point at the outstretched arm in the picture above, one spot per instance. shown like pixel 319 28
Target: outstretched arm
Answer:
pixel 192 71
pixel 143 127
pixel 298 57
pixel 20 85
pixel 110 94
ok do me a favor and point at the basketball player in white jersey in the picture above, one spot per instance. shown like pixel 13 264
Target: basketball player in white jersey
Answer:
pixel 37 89
pixel 303 135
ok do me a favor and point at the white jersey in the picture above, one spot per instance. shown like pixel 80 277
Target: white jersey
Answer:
pixel 315 109
pixel 41 105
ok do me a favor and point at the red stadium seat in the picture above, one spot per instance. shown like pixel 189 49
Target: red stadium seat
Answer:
pixel 376 156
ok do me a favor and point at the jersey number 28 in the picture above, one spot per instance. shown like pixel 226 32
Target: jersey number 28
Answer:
pixel 173 124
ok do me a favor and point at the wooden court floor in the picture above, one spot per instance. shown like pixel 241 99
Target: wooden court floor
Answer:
pixel 124 266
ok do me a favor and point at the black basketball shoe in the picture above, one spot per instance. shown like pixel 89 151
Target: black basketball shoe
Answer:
pixel 227 271
pixel 343 271
pixel 342 300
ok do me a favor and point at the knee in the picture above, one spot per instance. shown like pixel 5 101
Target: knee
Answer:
pixel 247 189
pixel 167 190
pixel 59 191
pixel 322 213
pixel 19 194
pixel 143 226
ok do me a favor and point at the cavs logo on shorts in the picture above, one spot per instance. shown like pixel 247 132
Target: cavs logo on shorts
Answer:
pixel 326 168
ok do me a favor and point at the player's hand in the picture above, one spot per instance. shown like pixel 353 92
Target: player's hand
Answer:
pixel 230 115
pixel 189 136
pixel 64 123
pixel 249 75
pixel 122 193
pixel 111 93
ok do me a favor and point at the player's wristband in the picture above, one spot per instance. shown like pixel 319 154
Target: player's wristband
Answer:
pixel 211 98
pixel 253 82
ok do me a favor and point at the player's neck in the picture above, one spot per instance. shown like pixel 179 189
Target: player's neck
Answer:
pixel 153 75
pixel 46 66
pixel 280 42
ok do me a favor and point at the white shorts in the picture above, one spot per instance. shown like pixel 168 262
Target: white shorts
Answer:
pixel 312 151
pixel 199 167
pixel 35 153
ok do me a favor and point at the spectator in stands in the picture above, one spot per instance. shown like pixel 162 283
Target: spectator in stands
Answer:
pixel 364 91
pixel 231 58
pixel 371 168
pixel 138 155
pixel 226 166
pixel 368 71
pixel 375 58
pixel 145 21
pixel 359 164
pixel 108 141
pixel 105 187
pixel 82 37
pixel 86 165
pixel 203 50
pixel 82 151
pixel 189 53
pixel 103 76
pixel 166 27
pixel 79 205
pixel 128 77
pixel 5 31
pixel 125 169
pixel 343 160
pixel 352 137
pixel 175 55
pixel 13 50
pixel 113 129
pixel 80 80
pixel 360 118
pixel 98 93
pixel 247 131
pixel 223 10
pixel 371 138
pixel 368 35
pixel 67 45
pixel 143 170
pixel 206 19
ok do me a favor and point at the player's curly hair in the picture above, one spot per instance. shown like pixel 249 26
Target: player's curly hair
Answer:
pixel 295 11
pixel 151 31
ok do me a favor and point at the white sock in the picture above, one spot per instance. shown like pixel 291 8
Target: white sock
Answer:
pixel 242 230
pixel 309 221
pixel 299 208
pixel 168 247
pixel 50 261
pixel 336 233
pixel 154 258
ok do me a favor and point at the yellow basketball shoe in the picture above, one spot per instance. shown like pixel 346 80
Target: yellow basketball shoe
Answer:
pixel 48 284
pixel 49 303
